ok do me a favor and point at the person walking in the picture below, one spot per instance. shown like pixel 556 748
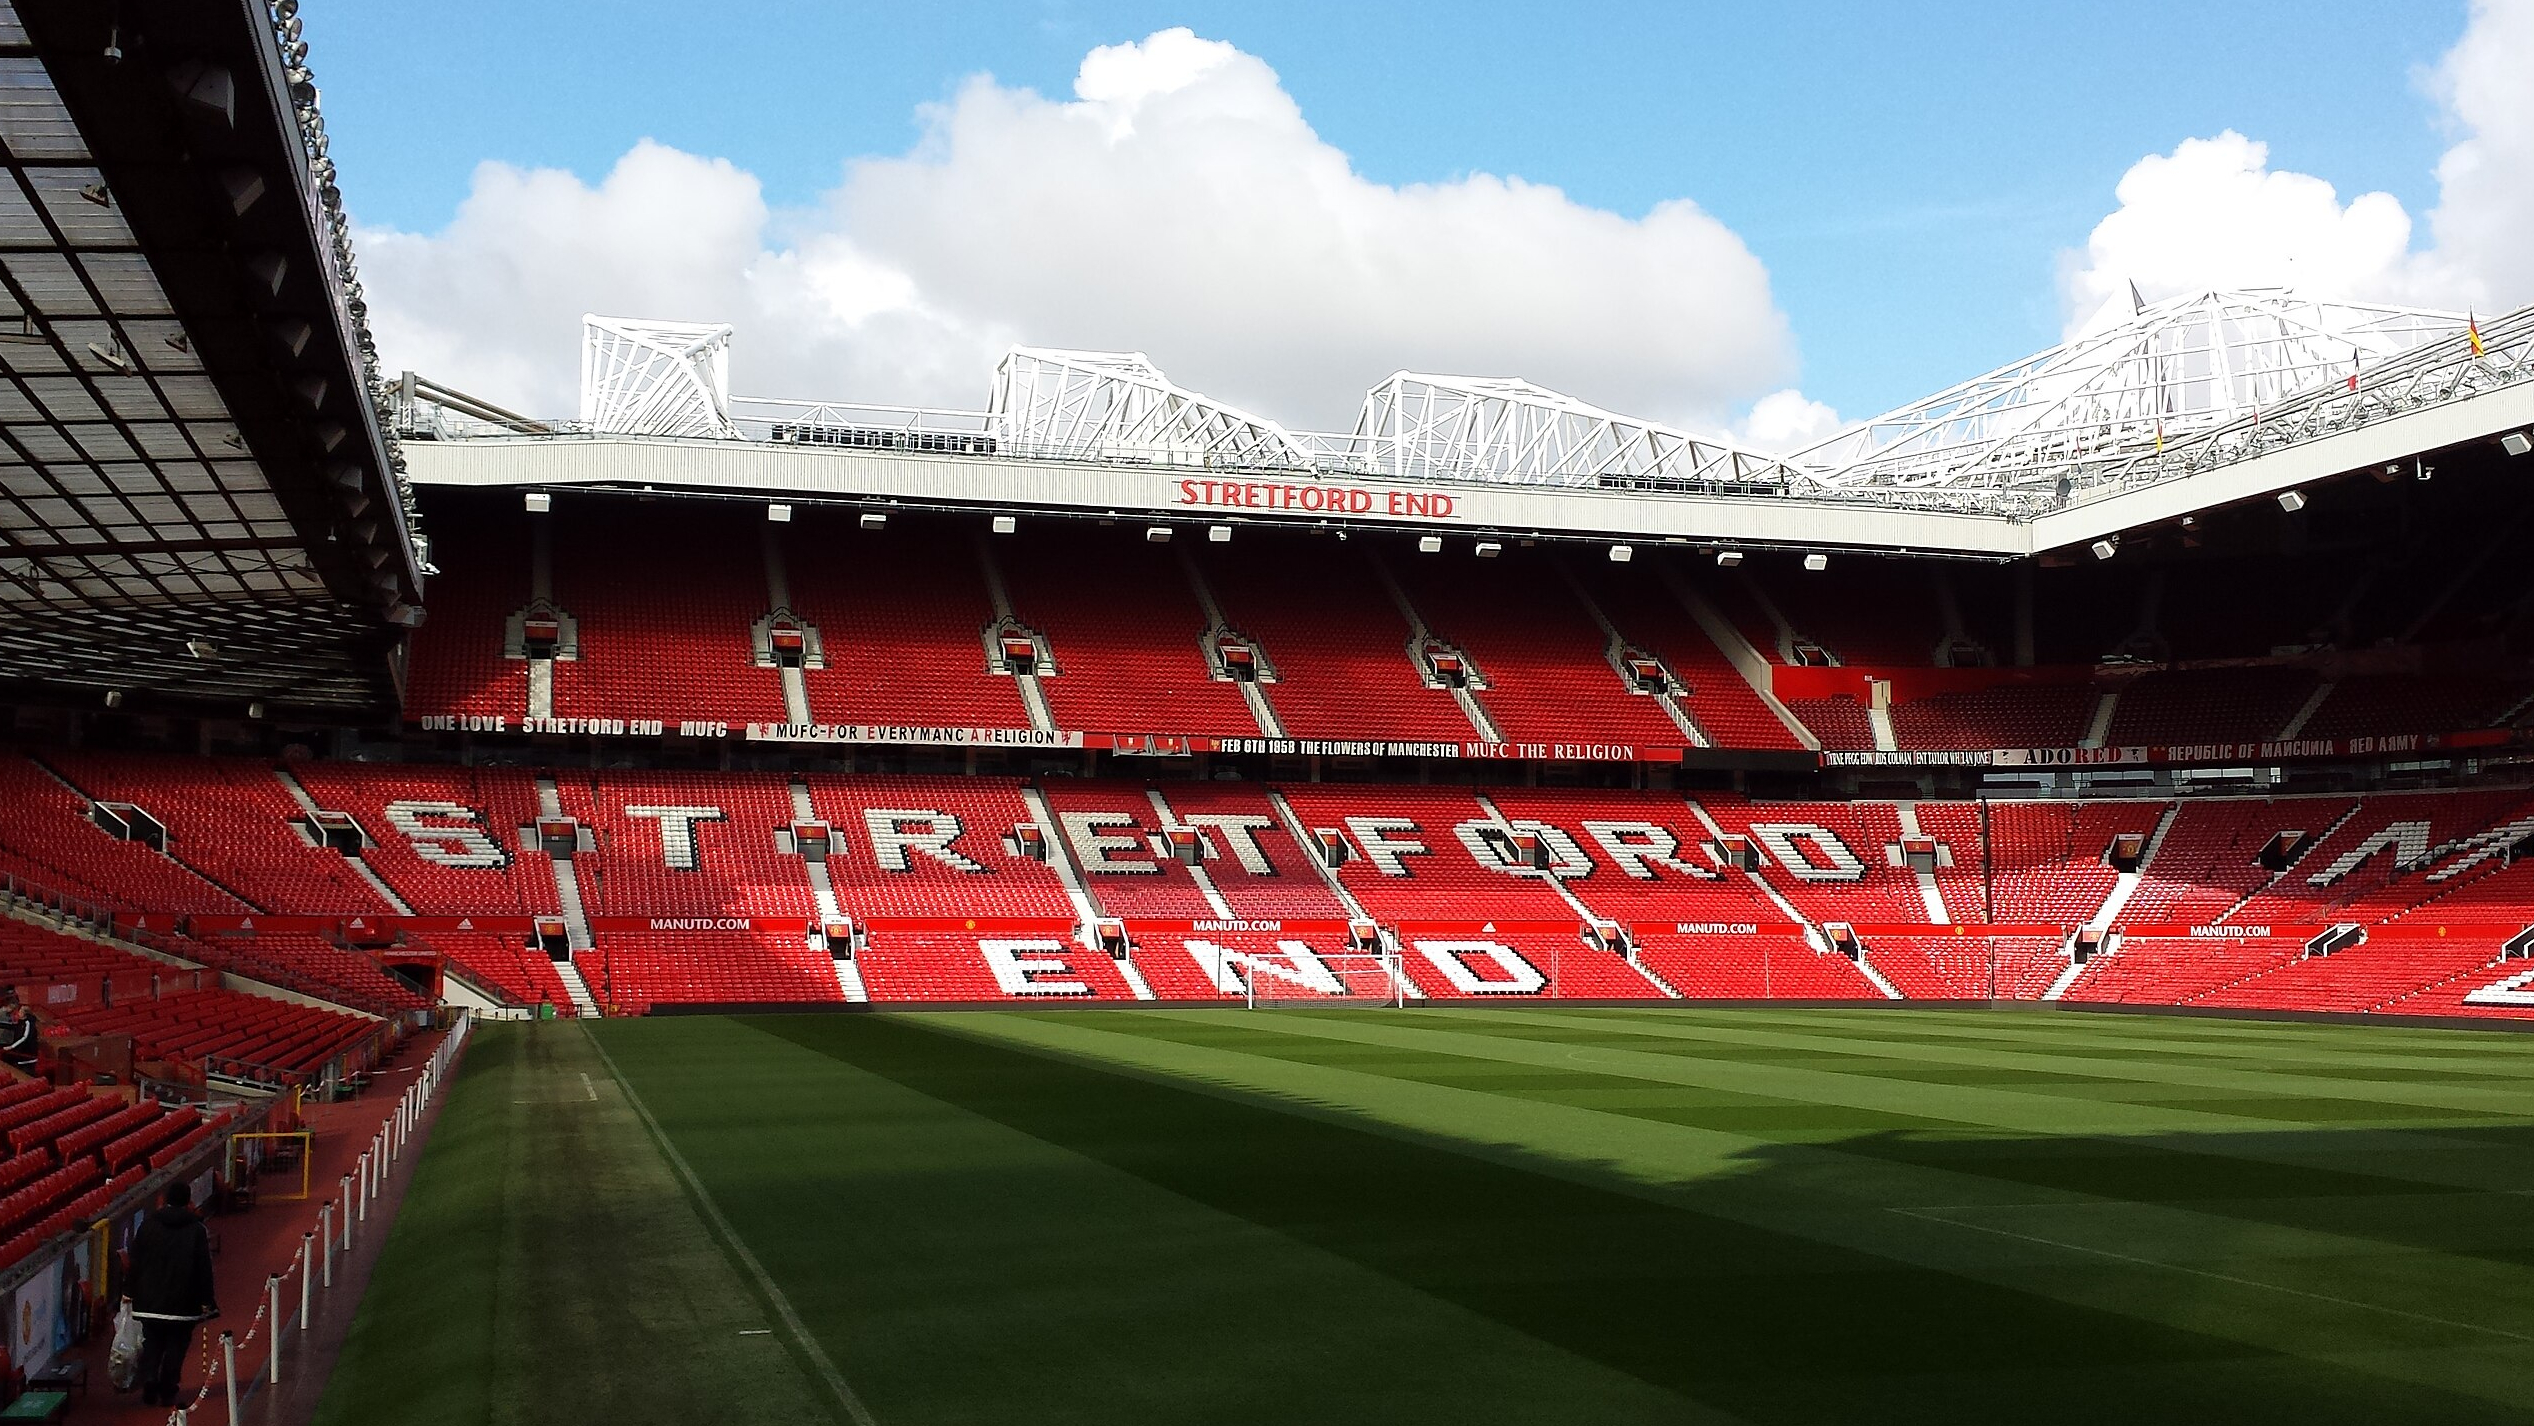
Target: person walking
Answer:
pixel 170 1291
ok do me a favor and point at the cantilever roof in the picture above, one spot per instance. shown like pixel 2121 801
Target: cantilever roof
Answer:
pixel 2141 377
pixel 195 497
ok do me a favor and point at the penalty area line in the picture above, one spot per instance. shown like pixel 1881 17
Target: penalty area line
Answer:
pixel 793 1327
pixel 2256 1283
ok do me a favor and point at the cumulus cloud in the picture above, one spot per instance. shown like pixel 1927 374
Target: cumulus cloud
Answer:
pixel 1178 204
pixel 1788 420
pixel 2213 213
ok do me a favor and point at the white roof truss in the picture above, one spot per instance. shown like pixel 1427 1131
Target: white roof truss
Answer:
pixel 2136 382
pixel 1119 406
pixel 655 378
pixel 1505 430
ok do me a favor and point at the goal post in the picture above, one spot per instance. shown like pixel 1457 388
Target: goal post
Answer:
pixel 1323 978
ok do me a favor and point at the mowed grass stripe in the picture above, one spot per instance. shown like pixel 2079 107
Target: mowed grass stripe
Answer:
pixel 1829 1194
pixel 1453 1032
pixel 2391 1053
pixel 2318 1076
pixel 546 1267
pixel 1970 1326
pixel 961 1269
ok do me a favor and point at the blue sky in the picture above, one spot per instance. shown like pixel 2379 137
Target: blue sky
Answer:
pixel 1910 175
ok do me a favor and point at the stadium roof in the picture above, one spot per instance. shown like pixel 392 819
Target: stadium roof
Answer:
pixel 197 498
pixel 2153 412
pixel 2141 377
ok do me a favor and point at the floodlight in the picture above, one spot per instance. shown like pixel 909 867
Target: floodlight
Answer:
pixel 1816 563
pixel 2292 500
pixel 96 193
pixel 1621 554
pixel 1429 544
pixel 2517 443
pixel 114 698
pixel 1005 524
pixel 2106 547
pixel 1728 559
pixel 873 520
pixel 1157 535
pixel 202 648
pixel 538 502
pixel 255 710
pixel 779 514
pixel 1489 549
pixel 112 355
pixel 1219 534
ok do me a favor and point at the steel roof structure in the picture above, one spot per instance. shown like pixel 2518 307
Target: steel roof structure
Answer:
pixel 1090 405
pixel 197 497
pixel 1505 429
pixel 2152 412
pixel 2141 378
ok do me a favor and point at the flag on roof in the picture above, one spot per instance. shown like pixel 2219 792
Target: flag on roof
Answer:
pixel 2472 334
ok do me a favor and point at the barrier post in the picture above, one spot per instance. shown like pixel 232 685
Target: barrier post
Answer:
pixel 306 1242
pixel 325 1232
pixel 273 1310
pixel 229 1369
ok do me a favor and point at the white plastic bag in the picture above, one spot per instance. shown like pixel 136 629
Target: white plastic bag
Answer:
pixel 123 1361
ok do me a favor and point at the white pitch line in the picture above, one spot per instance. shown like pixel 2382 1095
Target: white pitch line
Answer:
pixel 2215 1276
pixel 791 1320
pixel 585 1084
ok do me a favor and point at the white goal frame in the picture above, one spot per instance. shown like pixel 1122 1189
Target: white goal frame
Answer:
pixel 1371 977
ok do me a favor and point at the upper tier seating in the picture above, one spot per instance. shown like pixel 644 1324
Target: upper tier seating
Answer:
pixel 902 611
pixel 2026 715
pixel 901 614
pixel 1839 721
pixel 2207 705
pixel 1543 657
pixel 456 658
pixel 1338 643
pixel 665 596
pixel 1652 617
pixel 1126 631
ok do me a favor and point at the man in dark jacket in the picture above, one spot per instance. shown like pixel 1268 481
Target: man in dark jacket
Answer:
pixel 18 1033
pixel 171 1290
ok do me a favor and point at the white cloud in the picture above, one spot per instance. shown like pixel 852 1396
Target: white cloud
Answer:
pixel 1178 205
pixel 2213 213
pixel 1788 420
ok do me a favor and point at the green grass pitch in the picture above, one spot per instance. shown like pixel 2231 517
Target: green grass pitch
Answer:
pixel 1463 1216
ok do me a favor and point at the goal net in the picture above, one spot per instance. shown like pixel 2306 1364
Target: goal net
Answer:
pixel 1293 974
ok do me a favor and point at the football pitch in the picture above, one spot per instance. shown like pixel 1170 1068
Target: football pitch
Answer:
pixel 1462 1216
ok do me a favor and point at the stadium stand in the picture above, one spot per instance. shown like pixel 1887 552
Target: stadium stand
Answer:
pixel 901 615
pixel 698 890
